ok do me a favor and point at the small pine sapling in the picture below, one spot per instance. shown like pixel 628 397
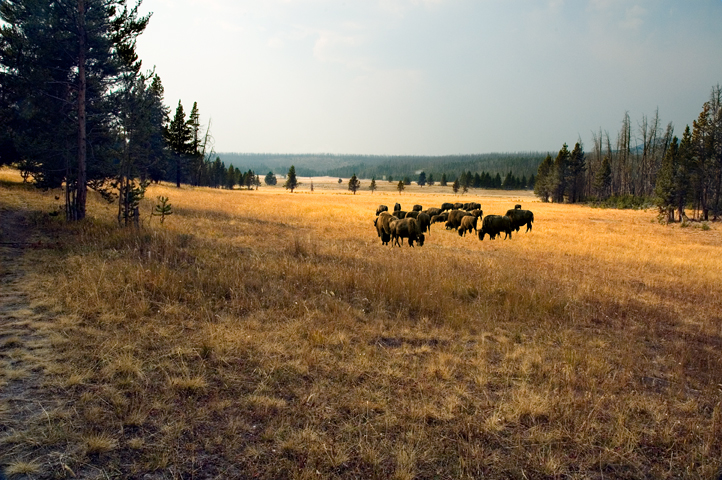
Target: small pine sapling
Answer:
pixel 162 209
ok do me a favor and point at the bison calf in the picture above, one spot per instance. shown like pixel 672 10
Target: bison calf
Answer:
pixel 468 223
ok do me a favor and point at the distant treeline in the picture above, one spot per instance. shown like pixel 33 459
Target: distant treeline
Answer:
pixel 384 166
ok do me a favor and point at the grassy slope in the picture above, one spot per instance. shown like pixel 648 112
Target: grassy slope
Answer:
pixel 269 335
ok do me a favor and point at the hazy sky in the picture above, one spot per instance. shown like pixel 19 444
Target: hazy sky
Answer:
pixel 431 77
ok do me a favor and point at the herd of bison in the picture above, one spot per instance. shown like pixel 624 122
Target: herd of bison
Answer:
pixel 462 217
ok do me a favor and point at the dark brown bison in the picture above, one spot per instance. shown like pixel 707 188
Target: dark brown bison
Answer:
pixel 397 207
pixel 472 206
pixel 493 225
pixel 433 211
pixel 477 213
pixel 458 206
pixel 446 206
pixel 468 224
pixel 424 222
pixel 520 217
pixel 440 218
pixel 413 214
pixel 381 208
pixel 455 217
pixel 517 207
pixel 417 208
pixel 399 214
pixel 382 227
pixel 406 228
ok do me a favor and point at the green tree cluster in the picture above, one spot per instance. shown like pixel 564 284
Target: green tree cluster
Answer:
pixel 680 176
pixel 72 92
pixel 564 178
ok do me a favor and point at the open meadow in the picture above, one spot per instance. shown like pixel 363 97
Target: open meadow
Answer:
pixel 264 334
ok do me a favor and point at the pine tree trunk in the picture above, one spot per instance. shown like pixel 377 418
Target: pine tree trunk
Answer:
pixel 82 188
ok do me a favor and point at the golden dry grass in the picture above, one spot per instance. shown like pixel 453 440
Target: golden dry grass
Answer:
pixel 264 334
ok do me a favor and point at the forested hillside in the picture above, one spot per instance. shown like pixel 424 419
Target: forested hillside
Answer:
pixel 380 166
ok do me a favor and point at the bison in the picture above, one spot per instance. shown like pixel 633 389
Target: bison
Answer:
pixel 472 206
pixel 417 208
pixel 455 217
pixel 381 208
pixel 458 206
pixel 382 227
pixel 446 206
pixel 406 228
pixel 520 217
pixel 477 213
pixel 493 225
pixel 433 211
pixel 399 214
pixel 397 207
pixel 424 222
pixel 439 218
pixel 467 224
pixel 517 206
pixel 413 214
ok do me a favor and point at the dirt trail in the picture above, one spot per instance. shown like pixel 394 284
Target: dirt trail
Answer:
pixel 24 402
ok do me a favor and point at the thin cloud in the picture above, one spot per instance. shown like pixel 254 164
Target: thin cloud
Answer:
pixel 633 18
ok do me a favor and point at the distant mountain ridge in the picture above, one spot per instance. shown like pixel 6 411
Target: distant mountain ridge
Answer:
pixel 380 166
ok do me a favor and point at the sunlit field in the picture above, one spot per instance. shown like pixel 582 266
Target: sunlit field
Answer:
pixel 264 334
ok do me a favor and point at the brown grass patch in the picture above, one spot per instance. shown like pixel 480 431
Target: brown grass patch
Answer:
pixel 271 335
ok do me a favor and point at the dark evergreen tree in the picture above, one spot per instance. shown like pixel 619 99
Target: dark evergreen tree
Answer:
pixel 218 173
pixel 179 141
pixel 270 179
pixel 508 182
pixel 431 180
pixel 455 186
pixel 372 186
pixel 682 184
pixel 576 167
pixel 443 181
pixel 231 178
pixel 400 186
pixel 141 155
pixel 354 184
pixel 422 179
pixel 603 180
pixel 195 157
pixel 543 187
pixel 249 179
pixel 665 185
pixel 560 174
pixel 291 180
